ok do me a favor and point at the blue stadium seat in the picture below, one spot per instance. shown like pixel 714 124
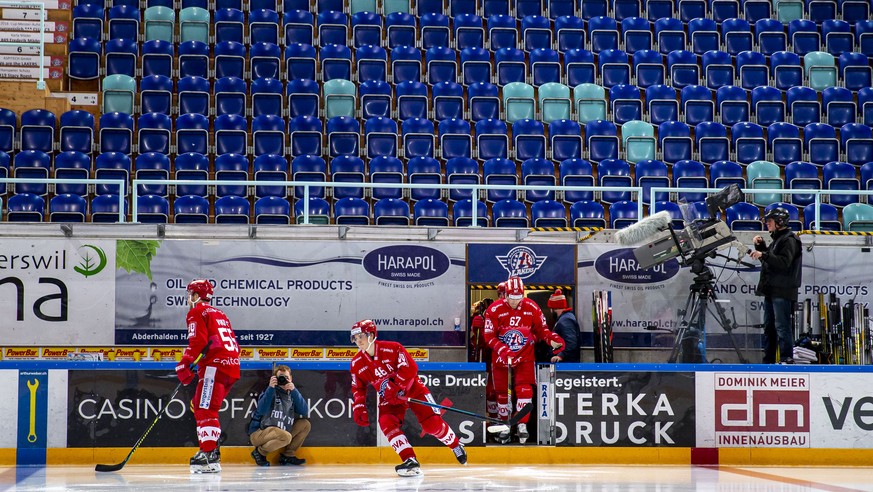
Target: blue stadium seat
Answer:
pixel 548 213
pixel 462 171
pixel 614 68
pixel 651 173
pixel 264 61
pixel 231 167
pixel 602 34
pixel 538 172
pixel 838 36
pixel 536 32
pixel 626 103
pixel 193 60
pixel 231 134
pixel 570 33
pixel 351 211
pixel 509 213
pixel 529 139
pixel 37 131
pixel 424 170
pixel 697 104
pixel 675 141
pixel 690 174
pixel 232 210
pixel 270 167
pixel 116 132
pixel 718 69
pixel 615 173
pixel 649 68
pixel 187 209
pixel 386 170
pixel 434 30
pixel 743 216
pixel 267 97
pixel 841 176
pixel 8 126
pixel 448 100
pixel 268 135
pixel 804 35
pixel 669 34
pixel 391 211
pixel 856 142
pixel 492 139
pixel 156 94
pixel 753 70
pixel 230 59
pixel 623 214
pixel 485 103
pixel 579 67
pixel 468 30
pixel 502 32
pixel 821 143
pixel 406 64
pixel 263 26
pixel 784 143
pixel 88 21
pixel 153 209
pixel 84 58
pixel 462 214
pixel 855 72
pixel 725 173
pixel 157 58
pixel 418 138
pixel 31 164
pixel 308 168
pixel 305 135
pixel 588 214
pixel 105 208
pixel 192 133
pixel 76 132
pixel 802 176
pixel 511 66
pixel 748 142
pixel 662 104
pixel 545 67
pixel 601 138
pixel 704 35
pixel 191 166
pixel 229 25
pixel 304 97
pixel 194 96
pixel 637 34
pixel 839 106
pixel 786 69
pixel 455 138
pixel 230 96
pixel 500 172
pixel 380 136
pixel 154 133
pixel 732 104
pixel 25 207
pixel 69 164
pixel 366 29
pixel 828 218
pixel 372 63
pixel 565 140
pixel 767 105
pixel 343 136
pixel 124 23
pixel 431 212
pixel 737 36
pixel 155 166
pixel 400 30
pixel 300 62
pixel 271 210
pixel 333 28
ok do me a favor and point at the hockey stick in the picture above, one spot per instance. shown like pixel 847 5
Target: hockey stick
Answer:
pixel 119 466
pixel 502 425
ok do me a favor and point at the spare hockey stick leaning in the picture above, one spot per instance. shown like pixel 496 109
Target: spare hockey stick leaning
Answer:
pixel 501 425
pixel 119 466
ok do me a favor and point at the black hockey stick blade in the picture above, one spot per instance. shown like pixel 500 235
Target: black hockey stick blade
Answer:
pixel 526 409
pixel 119 466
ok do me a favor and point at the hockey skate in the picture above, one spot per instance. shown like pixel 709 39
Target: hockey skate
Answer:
pixel 409 468
pixel 460 454
pixel 204 462
pixel 504 437
pixel 522 433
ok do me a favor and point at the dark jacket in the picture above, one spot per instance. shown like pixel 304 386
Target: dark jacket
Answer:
pixel 781 266
pixel 285 404
pixel 568 328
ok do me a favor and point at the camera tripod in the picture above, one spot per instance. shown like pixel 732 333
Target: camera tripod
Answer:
pixel 687 346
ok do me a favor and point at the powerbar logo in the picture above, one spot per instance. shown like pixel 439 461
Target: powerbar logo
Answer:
pixel 341 353
pixel 56 353
pixel 246 353
pixel 129 354
pixel 312 353
pixel 419 354
pixel 167 353
pixel 12 353
pixel 762 410
pixel 280 353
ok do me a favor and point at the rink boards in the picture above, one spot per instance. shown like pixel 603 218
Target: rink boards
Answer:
pixel 89 412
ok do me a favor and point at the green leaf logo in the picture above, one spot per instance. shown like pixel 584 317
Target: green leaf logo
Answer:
pixel 87 267
pixel 136 256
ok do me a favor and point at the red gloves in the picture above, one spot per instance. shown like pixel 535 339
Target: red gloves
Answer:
pixel 184 373
pixel 391 392
pixel 360 414
pixel 505 355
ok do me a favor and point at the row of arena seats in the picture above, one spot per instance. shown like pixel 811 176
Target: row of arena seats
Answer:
pixel 671 141
pixel 678 67
pixel 465 30
pixel 620 104
pixel 785 10
pixel 194 209
pixel 390 173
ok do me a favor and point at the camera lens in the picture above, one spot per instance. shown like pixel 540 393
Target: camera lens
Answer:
pixel 282 380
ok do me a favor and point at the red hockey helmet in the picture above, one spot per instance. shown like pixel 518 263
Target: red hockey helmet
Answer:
pixel 501 290
pixel 202 288
pixel 514 288
pixel 363 326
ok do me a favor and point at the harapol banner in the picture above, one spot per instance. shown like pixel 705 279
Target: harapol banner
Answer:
pixel 306 293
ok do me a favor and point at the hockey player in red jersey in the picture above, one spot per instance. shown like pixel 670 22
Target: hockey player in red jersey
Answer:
pixel 209 330
pixel 388 367
pixel 512 326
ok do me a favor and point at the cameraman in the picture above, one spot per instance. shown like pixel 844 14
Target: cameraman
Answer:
pixel 780 278
pixel 273 426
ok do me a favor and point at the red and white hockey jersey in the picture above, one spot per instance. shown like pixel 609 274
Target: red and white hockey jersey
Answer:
pixel 208 324
pixel 513 332
pixel 390 361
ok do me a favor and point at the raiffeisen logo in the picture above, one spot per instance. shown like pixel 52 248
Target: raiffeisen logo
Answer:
pixel 93 260
pixel 521 262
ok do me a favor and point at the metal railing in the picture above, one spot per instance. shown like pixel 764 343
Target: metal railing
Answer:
pixel 477 190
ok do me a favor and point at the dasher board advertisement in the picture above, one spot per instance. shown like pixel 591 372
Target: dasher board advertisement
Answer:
pixel 57 291
pixel 624 409
pixel 294 293
pixel 112 408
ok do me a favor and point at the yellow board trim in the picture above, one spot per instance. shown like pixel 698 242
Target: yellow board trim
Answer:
pixel 512 455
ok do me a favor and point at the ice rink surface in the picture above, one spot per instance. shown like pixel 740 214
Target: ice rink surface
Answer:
pixel 381 478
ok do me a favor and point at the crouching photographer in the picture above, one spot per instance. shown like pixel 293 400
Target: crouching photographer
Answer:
pixel 273 426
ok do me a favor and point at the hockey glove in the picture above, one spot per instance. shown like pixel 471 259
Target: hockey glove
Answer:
pixel 390 392
pixel 184 373
pixel 360 414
